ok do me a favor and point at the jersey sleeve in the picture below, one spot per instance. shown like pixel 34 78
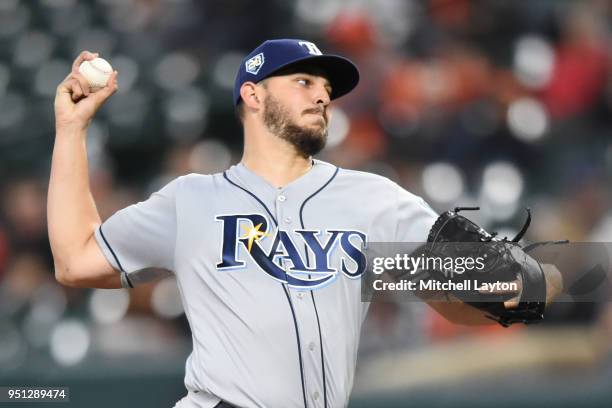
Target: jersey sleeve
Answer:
pixel 414 217
pixel 142 235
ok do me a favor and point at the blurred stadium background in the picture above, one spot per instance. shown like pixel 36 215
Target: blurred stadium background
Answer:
pixel 504 104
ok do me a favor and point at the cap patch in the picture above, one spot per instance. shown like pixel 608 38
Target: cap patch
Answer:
pixel 254 64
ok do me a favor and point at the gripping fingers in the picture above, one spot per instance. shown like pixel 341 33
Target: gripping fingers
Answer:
pixel 112 81
pixel 76 92
pixel 111 84
pixel 82 81
pixel 103 94
pixel 83 88
pixel 510 303
pixel 83 56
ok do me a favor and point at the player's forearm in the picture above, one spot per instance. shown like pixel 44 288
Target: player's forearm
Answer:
pixel 71 210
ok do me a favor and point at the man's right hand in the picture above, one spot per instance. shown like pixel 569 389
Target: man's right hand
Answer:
pixel 75 105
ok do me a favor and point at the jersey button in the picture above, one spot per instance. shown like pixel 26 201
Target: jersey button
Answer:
pixel 287 220
pixel 311 346
pixel 281 198
pixel 300 295
pixel 316 395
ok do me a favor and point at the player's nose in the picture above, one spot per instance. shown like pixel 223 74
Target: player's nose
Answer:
pixel 322 97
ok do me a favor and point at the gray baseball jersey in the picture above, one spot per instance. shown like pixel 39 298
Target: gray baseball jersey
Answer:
pixel 269 277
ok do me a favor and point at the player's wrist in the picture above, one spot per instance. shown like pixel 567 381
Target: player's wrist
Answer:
pixel 554 282
pixel 72 128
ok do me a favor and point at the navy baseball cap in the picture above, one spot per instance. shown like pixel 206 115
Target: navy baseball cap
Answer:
pixel 273 55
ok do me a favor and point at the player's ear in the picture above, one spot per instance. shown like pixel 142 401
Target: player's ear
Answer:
pixel 248 93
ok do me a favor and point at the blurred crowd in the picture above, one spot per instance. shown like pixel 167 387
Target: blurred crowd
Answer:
pixel 502 104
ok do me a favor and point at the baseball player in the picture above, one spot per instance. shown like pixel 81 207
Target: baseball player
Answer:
pixel 266 254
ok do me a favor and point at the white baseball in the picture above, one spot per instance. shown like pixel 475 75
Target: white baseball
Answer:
pixel 96 72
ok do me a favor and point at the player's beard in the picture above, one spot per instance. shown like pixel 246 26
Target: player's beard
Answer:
pixel 306 141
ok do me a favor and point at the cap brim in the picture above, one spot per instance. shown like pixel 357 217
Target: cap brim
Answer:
pixel 343 75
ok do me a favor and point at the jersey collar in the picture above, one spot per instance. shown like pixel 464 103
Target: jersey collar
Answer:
pixel 295 192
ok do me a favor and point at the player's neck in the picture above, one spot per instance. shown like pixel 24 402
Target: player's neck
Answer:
pixel 279 165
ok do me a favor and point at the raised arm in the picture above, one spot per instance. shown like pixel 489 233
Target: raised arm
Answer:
pixel 71 211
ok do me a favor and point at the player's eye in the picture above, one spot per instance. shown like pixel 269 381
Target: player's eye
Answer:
pixel 304 81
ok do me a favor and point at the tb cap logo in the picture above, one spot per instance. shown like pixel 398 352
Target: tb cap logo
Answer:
pixel 312 48
pixel 254 64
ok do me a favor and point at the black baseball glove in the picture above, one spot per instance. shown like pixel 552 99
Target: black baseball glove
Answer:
pixel 498 261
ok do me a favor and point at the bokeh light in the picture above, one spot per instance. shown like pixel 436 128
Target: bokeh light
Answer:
pixel 14 18
pixel 339 126
pixel 13 349
pixel 224 71
pixel 49 75
pixel 209 157
pixel 166 299
pixel 534 60
pixel 48 306
pixel 528 119
pixel 32 49
pixel 442 182
pixel 108 306
pixel 70 342
pixel 502 184
pixel 176 71
pixel 187 114
pixel 130 71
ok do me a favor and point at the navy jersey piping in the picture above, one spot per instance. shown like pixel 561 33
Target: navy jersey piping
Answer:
pixel 297 332
pixel 312 292
pixel 252 195
pixel 127 278
pixel 111 250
